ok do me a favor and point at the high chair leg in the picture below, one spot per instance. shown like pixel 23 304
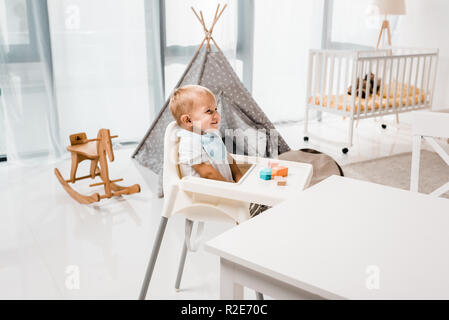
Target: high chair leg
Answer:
pixel 182 261
pixel 152 262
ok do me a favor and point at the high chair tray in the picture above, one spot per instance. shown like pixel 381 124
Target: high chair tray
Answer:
pixel 251 188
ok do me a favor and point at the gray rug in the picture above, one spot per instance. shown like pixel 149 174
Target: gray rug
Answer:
pixel 394 171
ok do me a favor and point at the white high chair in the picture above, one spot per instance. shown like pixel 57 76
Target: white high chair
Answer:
pixel 205 200
pixel 195 206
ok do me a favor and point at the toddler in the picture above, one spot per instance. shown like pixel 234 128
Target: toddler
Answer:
pixel 201 151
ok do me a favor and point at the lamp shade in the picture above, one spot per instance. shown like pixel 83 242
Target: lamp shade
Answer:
pixel 390 7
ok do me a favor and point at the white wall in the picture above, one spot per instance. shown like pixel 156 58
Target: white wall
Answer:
pixel 284 33
pixel 426 25
pixel 100 66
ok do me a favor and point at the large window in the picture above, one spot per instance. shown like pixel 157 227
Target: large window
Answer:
pixel 2 134
pixel 18 46
pixel 99 54
pixel 284 32
pixel 18 31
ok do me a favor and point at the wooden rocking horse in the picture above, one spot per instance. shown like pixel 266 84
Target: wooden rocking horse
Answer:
pixel 94 150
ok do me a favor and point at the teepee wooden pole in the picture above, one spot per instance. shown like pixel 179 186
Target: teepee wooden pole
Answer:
pixel 215 21
pixel 203 21
pixel 216 44
pixel 216 12
pixel 208 32
pixel 215 18
pixel 201 45
pixel 199 19
pixel 221 12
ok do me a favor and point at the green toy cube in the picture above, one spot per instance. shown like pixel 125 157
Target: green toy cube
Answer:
pixel 265 174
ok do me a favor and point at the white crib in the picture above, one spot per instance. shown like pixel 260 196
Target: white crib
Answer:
pixel 407 80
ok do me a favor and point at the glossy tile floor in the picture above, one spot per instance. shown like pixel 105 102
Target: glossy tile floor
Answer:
pixel 51 247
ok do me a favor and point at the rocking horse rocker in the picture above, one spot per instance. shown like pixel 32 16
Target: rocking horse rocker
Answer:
pixel 94 150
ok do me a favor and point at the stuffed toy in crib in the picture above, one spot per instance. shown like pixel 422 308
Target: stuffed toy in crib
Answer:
pixel 364 84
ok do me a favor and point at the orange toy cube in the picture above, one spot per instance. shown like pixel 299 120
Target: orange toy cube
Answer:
pixel 279 171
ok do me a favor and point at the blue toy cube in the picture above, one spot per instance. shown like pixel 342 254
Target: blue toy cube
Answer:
pixel 265 174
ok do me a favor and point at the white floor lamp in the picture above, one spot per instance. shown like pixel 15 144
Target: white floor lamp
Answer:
pixel 386 8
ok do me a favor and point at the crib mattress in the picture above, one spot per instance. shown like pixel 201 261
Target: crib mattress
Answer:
pixel 338 101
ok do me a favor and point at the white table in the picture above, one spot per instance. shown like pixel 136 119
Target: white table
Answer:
pixel 341 239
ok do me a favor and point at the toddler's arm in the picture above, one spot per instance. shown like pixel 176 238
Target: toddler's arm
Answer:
pixel 236 173
pixel 206 170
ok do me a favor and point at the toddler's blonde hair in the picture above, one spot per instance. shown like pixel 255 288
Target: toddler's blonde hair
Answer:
pixel 182 100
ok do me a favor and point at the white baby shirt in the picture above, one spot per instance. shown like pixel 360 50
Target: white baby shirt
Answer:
pixel 192 151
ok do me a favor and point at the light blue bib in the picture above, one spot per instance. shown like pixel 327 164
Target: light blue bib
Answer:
pixel 211 143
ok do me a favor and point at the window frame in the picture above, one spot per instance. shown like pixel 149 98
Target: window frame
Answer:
pixel 26 53
pixel 326 39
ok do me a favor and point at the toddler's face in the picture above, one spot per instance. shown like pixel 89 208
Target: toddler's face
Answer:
pixel 205 116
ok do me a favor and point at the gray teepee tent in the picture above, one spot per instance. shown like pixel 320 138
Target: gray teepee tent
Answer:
pixel 239 111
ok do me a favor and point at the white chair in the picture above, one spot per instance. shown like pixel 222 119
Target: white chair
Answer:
pixel 195 206
pixel 427 126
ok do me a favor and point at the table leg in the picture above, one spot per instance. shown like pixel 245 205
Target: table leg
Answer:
pixel 234 277
pixel 229 290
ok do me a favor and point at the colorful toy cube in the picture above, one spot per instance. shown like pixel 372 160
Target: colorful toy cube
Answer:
pixel 279 171
pixel 265 174
pixel 280 181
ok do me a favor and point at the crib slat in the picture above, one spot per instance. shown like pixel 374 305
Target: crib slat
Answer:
pixel 338 85
pixel 345 83
pixel 368 87
pixel 382 86
pixel 323 79
pixel 416 98
pixel 423 76
pixel 355 64
pixel 434 78
pixel 359 78
pixel 404 69
pixel 331 80
pixel 317 76
pixel 396 85
pixel 373 100
pixel 389 83
pixel 428 78
pixel 409 82
pixel 309 80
